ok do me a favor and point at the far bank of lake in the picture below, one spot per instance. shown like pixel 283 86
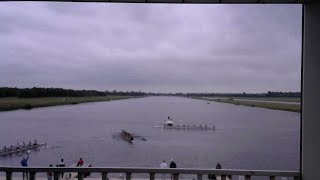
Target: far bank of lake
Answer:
pixel 284 104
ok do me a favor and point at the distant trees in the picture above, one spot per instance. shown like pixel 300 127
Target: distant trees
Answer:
pixel 9 92
pixel 283 94
pixel 58 92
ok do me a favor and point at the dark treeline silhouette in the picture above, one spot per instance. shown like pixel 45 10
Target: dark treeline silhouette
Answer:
pixel 58 92
pixel 283 94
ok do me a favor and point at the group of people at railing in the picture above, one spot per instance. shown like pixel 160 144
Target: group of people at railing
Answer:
pixel 80 163
pixel 25 158
pixel 60 164
pixel 165 165
pixel 174 165
pixel 18 146
pixel 24 163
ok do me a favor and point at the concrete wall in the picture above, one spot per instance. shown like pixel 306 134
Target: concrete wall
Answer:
pixel 311 93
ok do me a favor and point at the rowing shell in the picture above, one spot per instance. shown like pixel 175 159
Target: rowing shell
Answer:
pixel 3 153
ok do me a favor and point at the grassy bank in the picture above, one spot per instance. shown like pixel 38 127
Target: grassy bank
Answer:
pixel 268 105
pixel 281 99
pixel 13 103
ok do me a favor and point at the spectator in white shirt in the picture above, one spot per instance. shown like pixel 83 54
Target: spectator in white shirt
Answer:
pixel 163 165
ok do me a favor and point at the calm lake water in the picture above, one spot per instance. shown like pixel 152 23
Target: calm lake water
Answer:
pixel 246 137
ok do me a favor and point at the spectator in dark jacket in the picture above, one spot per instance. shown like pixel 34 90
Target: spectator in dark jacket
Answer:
pixel 172 165
pixel 212 176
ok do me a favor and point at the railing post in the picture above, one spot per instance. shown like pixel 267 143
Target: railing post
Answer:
pixel 104 176
pixel 223 177
pixel 56 175
pixel 152 176
pixel 199 176
pixel 80 176
pixel 9 175
pixel 32 176
pixel 175 176
pixel 128 176
pixel 247 177
pixel 272 178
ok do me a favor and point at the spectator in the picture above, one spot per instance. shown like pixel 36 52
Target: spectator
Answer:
pixel 172 165
pixel 50 174
pixel 212 176
pixel 24 163
pixel 80 162
pixel 163 165
pixel 61 164
pixel 218 166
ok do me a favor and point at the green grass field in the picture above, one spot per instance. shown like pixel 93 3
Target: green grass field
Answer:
pixel 14 103
pixel 268 105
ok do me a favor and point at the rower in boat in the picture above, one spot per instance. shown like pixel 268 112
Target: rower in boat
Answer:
pixel 18 148
pixel 127 136
pixel 169 122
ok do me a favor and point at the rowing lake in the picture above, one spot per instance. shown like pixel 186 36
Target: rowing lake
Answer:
pixel 246 137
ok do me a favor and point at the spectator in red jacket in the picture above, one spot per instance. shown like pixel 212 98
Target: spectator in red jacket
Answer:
pixel 80 162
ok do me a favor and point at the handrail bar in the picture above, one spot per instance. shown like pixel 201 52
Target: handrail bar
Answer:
pixel 148 170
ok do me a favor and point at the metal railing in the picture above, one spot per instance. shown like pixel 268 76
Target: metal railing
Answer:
pixel 104 171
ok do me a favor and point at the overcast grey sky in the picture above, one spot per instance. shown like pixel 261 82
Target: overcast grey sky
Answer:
pixel 158 47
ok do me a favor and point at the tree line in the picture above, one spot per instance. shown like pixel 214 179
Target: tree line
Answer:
pixel 59 92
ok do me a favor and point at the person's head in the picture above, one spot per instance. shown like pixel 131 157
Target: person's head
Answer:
pixel 50 165
pixel 218 166
pixel 164 161
pixel 80 158
pixel 62 160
